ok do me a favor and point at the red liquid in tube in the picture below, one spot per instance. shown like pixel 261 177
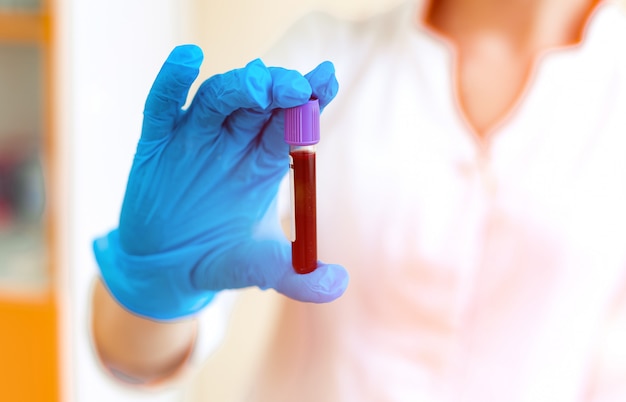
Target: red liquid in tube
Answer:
pixel 304 245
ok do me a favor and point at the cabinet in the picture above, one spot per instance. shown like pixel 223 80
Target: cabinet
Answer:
pixel 29 352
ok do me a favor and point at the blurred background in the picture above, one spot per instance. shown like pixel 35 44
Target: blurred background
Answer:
pixel 73 80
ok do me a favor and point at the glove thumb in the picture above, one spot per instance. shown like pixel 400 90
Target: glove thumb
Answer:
pixel 267 264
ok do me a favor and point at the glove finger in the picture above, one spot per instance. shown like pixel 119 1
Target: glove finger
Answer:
pixel 169 91
pixel 289 89
pixel 324 86
pixel 325 284
pixel 267 264
pixel 323 83
pixel 222 94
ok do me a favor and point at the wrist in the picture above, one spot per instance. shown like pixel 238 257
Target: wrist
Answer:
pixel 137 349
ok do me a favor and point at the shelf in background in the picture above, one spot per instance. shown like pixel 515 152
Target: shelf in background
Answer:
pixel 24 26
pixel 30 358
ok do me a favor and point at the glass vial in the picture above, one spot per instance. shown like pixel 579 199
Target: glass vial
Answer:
pixel 302 133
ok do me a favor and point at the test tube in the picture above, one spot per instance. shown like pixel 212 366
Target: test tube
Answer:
pixel 302 133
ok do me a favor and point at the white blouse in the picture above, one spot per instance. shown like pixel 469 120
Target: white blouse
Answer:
pixel 481 270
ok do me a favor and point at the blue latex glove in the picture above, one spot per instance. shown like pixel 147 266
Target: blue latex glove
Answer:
pixel 199 213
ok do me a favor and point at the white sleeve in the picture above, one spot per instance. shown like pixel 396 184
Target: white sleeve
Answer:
pixel 212 325
pixel 608 373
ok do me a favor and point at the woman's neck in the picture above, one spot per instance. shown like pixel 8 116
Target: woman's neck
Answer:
pixel 497 43
pixel 527 24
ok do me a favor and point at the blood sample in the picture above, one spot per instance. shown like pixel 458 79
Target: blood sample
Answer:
pixel 302 133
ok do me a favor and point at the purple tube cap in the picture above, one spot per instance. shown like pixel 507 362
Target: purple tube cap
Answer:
pixel 302 124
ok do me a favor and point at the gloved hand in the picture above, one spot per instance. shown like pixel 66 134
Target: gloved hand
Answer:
pixel 199 214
